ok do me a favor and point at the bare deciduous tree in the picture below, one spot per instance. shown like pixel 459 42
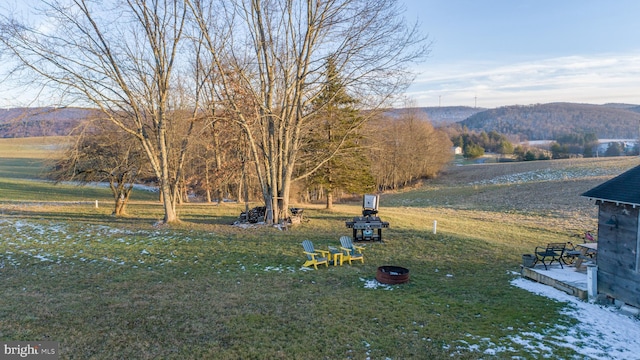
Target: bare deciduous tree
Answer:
pixel 102 153
pixel 406 149
pixel 119 57
pixel 277 50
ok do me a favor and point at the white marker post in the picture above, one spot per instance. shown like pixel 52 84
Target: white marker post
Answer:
pixel 592 281
pixel 435 226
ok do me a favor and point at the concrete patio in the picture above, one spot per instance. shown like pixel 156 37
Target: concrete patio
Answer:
pixel 568 279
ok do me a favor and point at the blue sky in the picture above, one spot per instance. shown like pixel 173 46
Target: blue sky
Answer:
pixel 494 53
pixel 491 53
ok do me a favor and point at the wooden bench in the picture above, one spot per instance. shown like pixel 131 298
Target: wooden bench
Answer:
pixel 552 252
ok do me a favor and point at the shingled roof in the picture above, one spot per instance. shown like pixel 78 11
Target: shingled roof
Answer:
pixel 624 189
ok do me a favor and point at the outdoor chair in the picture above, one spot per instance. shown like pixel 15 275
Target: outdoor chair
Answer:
pixel 351 252
pixel 315 257
pixel 571 253
pixel 552 252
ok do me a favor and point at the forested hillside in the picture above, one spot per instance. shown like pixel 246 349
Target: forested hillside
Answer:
pixel 531 122
pixel 445 114
pixel 549 121
pixel 28 122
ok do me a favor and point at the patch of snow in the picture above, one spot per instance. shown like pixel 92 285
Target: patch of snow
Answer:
pixel 42 258
pixel 279 269
pixel 375 284
pixel 602 332
pixel 543 175
pixel 95 184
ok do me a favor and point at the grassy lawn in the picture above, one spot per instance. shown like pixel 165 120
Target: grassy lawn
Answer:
pixel 129 290
pixel 109 288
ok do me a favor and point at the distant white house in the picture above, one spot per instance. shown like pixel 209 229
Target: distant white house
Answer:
pixel 457 150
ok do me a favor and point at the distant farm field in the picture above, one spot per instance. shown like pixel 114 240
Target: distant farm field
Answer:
pixel 31 148
pixel 23 166
pixel 127 288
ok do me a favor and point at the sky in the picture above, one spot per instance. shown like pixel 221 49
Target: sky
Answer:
pixel 491 53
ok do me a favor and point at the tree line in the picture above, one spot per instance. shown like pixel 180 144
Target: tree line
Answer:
pixel 383 154
pixel 475 144
pixel 222 96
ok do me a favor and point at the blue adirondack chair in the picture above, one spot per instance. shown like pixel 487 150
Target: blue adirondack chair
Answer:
pixel 351 252
pixel 314 257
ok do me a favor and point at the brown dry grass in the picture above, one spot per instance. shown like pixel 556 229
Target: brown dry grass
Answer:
pixel 540 193
pixel 473 173
pixel 32 147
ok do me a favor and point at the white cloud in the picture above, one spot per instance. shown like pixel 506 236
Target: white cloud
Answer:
pixel 593 79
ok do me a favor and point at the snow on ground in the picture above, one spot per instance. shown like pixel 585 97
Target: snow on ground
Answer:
pixel 601 333
pixel 544 175
pixel 374 284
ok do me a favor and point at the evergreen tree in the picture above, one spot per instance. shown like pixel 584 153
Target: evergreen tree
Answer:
pixel 615 149
pixel 473 151
pixel 336 139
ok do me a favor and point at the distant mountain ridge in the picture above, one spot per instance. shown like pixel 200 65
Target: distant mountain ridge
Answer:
pixel 446 114
pixel 548 121
pixel 528 122
pixel 43 121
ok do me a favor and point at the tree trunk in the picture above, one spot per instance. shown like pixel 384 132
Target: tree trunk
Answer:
pixel 218 162
pixel 121 193
pixel 329 200
pixel 167 205
pixel 207 182
pixel 120 207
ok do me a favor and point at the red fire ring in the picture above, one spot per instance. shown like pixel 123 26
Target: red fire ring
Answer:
pixel 392 275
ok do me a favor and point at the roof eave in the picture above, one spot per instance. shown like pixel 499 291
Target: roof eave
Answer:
pixel 613 201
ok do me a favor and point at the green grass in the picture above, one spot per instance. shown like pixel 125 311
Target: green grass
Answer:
pixel 130 290
pixel 21 168
pixel 127 289
pixel 124 288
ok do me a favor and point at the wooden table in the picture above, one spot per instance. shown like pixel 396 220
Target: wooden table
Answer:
pixel 584 250
pixel 335 256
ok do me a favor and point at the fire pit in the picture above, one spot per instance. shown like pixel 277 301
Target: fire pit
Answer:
pixel 392 275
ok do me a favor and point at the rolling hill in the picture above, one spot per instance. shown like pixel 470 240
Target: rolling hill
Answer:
pixel 444 115
pixel 548 121
pixel 43 121
pixel 530 122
